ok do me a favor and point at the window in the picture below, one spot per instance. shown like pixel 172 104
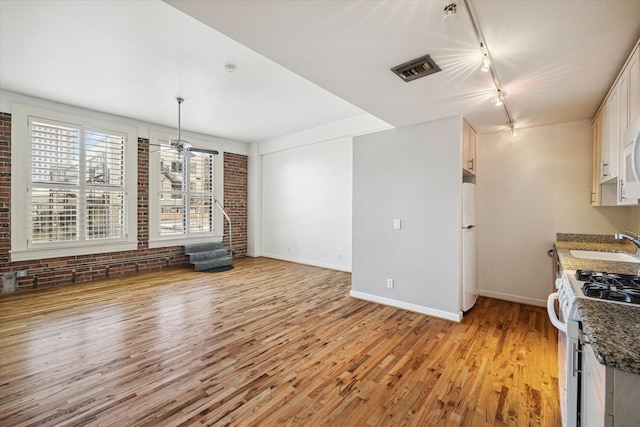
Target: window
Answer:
pixel 73 179
pixel 186 185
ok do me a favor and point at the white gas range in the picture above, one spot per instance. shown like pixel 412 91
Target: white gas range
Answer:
pixel 608 287
pixel 605 287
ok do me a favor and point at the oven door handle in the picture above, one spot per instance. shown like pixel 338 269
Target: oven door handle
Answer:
pixel 551 310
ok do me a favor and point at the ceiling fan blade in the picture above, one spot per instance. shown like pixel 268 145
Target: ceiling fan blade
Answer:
pixel 202 150
pixel 160 148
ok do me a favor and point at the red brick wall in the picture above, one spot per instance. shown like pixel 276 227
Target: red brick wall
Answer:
pixel 235 202
pixel 63 270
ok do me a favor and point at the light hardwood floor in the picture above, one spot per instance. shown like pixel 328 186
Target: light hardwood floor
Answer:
pixel 269 343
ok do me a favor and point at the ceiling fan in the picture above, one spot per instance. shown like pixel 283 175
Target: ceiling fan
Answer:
pixel 179 145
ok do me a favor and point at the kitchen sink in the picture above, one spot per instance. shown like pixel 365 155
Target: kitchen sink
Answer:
pixel 604 256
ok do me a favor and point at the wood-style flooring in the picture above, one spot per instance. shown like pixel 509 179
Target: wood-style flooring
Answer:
pixel 269 343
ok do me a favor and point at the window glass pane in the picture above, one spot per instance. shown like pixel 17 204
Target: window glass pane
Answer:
pixel 55 153
pixel 172 214
pixel 54 215
pixel 201 173
pixel 200 213
pixel 170 171
pixel 105 159
pixel 104 214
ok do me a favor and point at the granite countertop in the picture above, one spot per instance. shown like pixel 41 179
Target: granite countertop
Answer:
pixel 595 242
pixel 612 329
pixel 614 333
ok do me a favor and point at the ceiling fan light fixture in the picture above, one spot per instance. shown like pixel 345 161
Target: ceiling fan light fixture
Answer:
pixel 180 144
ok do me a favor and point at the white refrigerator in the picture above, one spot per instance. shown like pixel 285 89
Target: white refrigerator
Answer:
pixel 469 247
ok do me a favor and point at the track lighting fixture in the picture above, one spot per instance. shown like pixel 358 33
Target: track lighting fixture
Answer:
pixel 487 66
pixel 498 100
pixel 486 60
pixel 450 10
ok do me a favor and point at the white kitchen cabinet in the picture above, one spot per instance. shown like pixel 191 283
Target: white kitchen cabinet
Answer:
pixel 592 413
pixel 629 93
pixel 596 129
pixel 610 148
pixel 609 396
pixel 629 115
pixel 469 138
pixel 604 191
pixel 620 109
pixel 604 168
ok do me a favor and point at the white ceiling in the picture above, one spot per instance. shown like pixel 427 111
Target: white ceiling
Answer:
pixel 302 64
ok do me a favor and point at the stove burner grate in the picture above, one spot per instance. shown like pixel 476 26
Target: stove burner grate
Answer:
pixel 612 287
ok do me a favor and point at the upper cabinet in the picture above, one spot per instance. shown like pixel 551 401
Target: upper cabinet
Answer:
pixel 468 149
pixel 632 77
pixel 595 178
pixel 611 126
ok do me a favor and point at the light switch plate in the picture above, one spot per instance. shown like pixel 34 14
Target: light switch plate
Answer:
pixel 396 224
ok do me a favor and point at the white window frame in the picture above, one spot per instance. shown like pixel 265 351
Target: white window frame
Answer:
pixel 21 207
pixel 156 140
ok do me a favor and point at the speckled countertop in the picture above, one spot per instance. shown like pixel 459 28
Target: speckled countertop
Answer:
pixel 596 242
pixel 613 329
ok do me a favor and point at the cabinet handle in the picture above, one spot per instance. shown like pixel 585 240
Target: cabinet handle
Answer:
pixel 471 164
pixel 602 166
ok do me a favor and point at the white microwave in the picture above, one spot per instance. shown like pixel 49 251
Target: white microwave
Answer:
pixel 631 163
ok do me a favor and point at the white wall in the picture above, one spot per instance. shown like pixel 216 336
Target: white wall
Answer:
pixel 412 174
pixel 306 204
pixel 528 189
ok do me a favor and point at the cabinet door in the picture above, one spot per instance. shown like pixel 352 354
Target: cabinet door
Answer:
pixel 592 412
pixel 633 72
pixel 604 144
pixel 614 131
pixel 595 162
pixel 623 120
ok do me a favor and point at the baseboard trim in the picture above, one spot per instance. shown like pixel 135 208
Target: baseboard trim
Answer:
pixel 513 298
pixel 407 306
pixel 309 262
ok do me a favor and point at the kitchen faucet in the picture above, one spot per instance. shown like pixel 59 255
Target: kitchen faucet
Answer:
pixel 636 241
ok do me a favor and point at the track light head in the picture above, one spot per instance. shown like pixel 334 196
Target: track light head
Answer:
pixel 486 59
pixel 499 99
pixel 514 131
pixel 450 11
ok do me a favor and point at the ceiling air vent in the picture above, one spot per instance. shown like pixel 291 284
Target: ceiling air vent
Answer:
pixel 416 68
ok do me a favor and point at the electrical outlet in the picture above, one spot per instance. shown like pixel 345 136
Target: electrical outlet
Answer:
pixel 21 273
pixel 389 283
